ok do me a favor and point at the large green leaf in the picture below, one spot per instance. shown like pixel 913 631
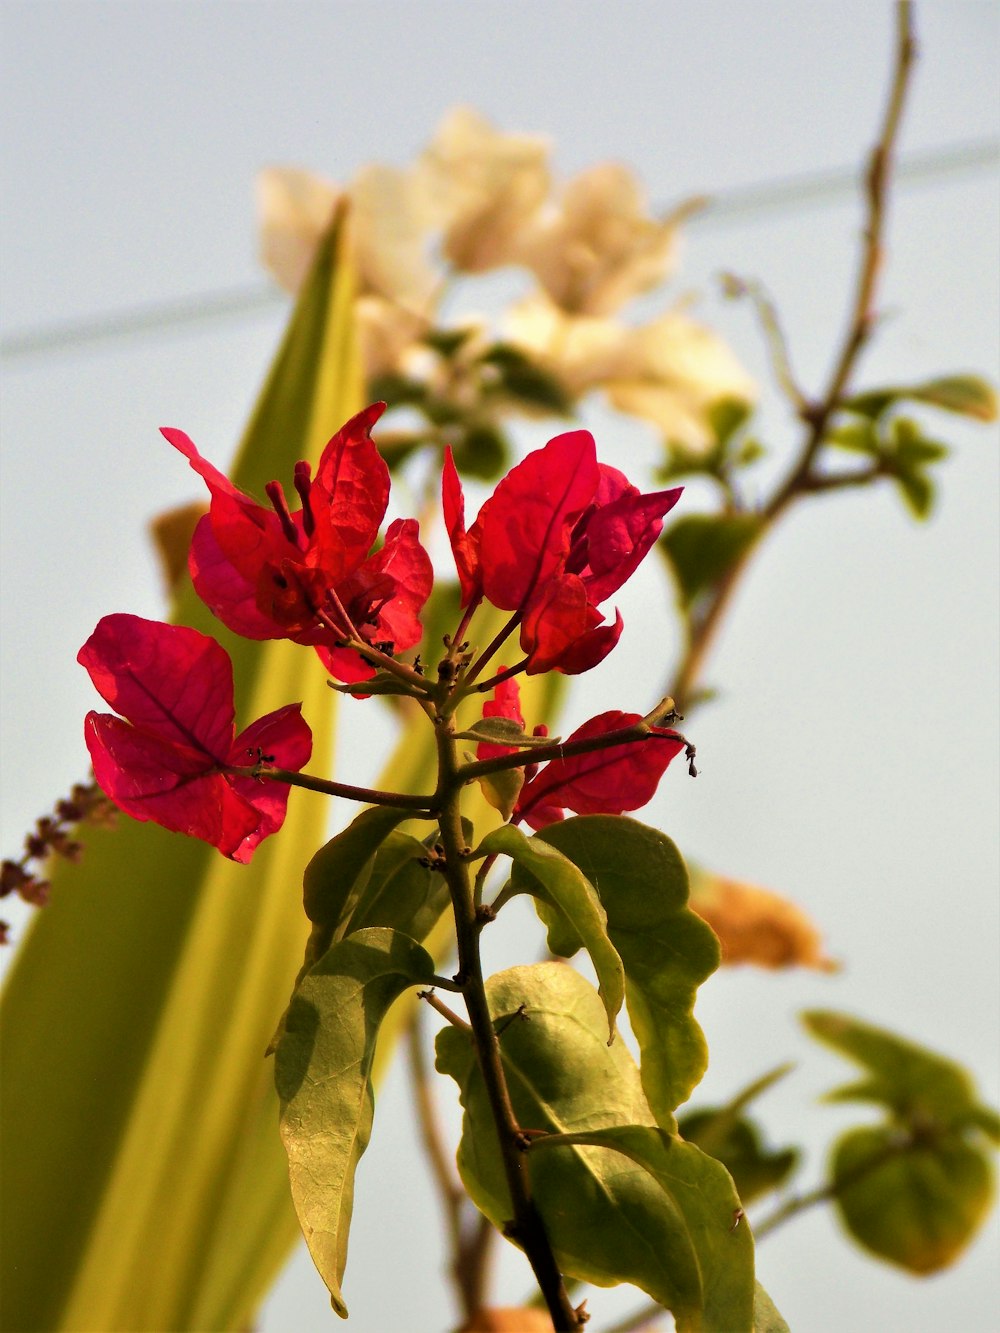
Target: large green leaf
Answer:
pixel 656 1212
pixel 667 949
pixel 542 871
pixel 915 1189
pixel 916 1204
pixel 323 1068
pixel 919 1086
pixel 144 1185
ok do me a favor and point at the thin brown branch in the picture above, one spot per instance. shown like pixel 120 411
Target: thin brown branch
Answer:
pixel 801 479
pixel 420 805
pixel 525 1226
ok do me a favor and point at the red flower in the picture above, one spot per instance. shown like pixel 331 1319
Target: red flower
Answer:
pixel 168 761
pixel 601 782
pixel 559 535
pixel 306 574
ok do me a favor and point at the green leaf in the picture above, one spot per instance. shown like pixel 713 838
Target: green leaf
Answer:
pixel 707 1215
pixel 662 1218
pixel 736 1142
pixel 918 1086
pixel 383 682
pixel 918 492
pixel 914 1204
pixel 966 395
pixel 139 1114
pixel 766 1318
pixel 503 731
pixel 336 875
pixel 911 447
pixel 667 949
pixel 727 416
pixel 502 789
pixel 522 378
pixel 575 911
pixel 482 450
pixel 859 437
pixel 323 1077
pixel 702 548
pixel 402 891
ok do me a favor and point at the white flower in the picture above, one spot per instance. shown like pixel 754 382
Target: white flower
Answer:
pixel 481 187
pixel 671 371
pixel 600 247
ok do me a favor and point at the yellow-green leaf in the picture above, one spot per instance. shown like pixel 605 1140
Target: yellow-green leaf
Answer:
pixel 144 1184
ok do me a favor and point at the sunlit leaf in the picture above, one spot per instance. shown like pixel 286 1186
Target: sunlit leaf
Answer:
pixel 737 1143
pixel 572 904
pixel 645 1207
pixel 323 1067
pixel 766 1318
pixel 667 950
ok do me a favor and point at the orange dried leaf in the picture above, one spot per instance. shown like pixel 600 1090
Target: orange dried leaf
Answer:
pixel 755 925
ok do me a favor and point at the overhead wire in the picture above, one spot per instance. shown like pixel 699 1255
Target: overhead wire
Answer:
pixel 780 195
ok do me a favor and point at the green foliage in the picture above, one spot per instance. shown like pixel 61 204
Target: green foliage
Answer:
pixel 644 1207
pixel 323 1076
pixel 503 731
pixel 521 378
pixel 915 1202
pixel 915 1189
pixel 701 549
pixel 736 1142
pixel 667 949
pixel 766 1318
pixel 502 789
pixel 965 395
pixel 918 1086
pixel 568 904
pixel 336 875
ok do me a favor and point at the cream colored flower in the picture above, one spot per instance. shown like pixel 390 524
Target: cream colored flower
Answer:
pixel 583 351
pixel 390 228
pixel 671 371
pixel 599 246
pixel 482 187
pixel 388 335
pixel 294 208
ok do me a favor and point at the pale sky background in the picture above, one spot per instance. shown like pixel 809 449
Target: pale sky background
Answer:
pixel 851 761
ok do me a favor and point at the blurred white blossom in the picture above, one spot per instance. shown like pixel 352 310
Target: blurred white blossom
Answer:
pixel 670 371
pixel 598 246
pixel 481 187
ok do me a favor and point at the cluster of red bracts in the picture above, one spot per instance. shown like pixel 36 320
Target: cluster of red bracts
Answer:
pixel 560 534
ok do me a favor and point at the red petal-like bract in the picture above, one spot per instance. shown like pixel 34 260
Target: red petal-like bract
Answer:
pixel 464 545
pixel 168 761
pixel 559 535
pixel 278 573
pixel 526 525
pixel 506 702
pixel 603 782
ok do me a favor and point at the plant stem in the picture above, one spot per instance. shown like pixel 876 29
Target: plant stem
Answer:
pixel 469 1233
pixel 525 1227
pixel 369 795
pixel 802 479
